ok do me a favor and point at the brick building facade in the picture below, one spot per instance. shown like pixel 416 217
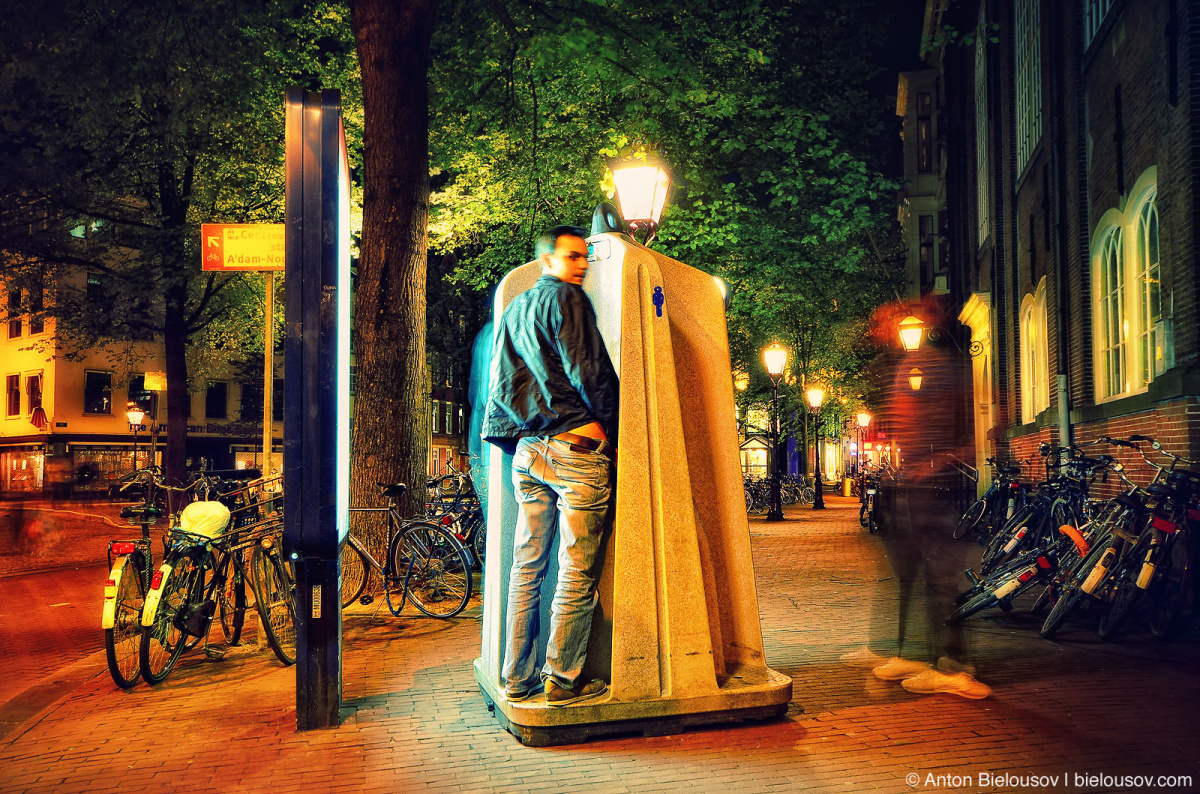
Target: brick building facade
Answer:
pixel 1066 148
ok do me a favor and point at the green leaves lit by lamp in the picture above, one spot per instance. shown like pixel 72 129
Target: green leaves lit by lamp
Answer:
pixel 641 185
pixel 914 379
pixel 911 329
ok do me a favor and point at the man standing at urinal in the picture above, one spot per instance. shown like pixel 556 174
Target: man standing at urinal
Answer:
pixel 554 405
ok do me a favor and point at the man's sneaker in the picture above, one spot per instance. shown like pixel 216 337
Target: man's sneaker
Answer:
pixel 933 682
pixel 518 693
pixel 896 669
pixel 557 696
pixel 949 665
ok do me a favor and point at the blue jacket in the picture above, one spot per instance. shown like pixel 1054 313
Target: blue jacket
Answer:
pixel 550 370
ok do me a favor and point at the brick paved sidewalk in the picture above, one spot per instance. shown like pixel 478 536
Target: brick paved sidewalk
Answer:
pixel 416 722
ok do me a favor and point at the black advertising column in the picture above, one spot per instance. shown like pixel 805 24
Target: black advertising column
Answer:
pixel 316 405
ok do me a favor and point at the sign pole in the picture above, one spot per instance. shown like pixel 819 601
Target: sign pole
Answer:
pixel 268 374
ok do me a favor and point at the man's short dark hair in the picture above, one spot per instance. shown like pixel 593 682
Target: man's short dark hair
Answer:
pixel 549 239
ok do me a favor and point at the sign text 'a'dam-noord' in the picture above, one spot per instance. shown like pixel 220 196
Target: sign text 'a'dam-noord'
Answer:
pixel 241 246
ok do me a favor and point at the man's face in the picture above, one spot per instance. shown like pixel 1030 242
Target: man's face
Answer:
pixel 569 262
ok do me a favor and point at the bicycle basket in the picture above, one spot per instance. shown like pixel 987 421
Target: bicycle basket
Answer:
pixel 207 519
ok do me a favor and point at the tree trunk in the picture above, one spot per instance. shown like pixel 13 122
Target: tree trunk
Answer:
pixel 390 440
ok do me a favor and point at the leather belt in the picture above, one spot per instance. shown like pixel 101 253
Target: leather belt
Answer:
pixel 580 443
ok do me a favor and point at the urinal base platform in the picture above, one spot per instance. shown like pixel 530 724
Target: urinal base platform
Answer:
pixel 535 724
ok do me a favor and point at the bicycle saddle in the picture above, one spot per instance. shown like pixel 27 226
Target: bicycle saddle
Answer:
pixel 395 489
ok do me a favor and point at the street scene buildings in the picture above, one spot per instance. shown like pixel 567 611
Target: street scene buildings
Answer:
pixel 1047 209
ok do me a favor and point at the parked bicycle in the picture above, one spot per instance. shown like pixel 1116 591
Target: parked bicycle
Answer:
pixel 131 567
pixel 869 513
pixel 424 561
pixel 1044 536
pixel 204 573
pixel 455 505
pixel 1146 550
pixel 992 510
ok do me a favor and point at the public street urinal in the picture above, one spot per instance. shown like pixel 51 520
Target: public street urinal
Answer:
pixel 676 632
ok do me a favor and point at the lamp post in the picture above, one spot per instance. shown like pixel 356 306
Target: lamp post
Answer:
pixel 815 396
pixel 864 419
pixel 135 414
pixel 641 187
pixel 775 358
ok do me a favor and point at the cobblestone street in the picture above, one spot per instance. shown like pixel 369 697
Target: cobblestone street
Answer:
pixel 414 719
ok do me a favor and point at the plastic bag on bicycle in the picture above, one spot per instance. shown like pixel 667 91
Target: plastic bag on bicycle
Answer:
pixel 207 519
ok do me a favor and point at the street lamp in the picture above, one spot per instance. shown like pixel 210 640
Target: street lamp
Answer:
pixel 815 396
pixel 641 185
pixel 135 415
pixel 775 359
pixel 911 329
pixel 914 378
pixel 864 419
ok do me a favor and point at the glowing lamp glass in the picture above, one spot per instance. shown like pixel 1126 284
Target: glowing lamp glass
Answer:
pixel 910 333
pixel 641 189
pixel 864 419
pixel 775 359
pixel 914 379
pixel 134 414
pixel 815 397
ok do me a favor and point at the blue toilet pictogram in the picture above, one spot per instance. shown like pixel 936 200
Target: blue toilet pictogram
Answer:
pixel 659 299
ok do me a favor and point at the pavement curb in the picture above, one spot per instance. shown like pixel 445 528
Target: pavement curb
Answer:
pixel 25 710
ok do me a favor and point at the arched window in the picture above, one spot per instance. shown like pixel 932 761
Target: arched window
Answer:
pixel 1111 325
pixel 1147 274
pixel 1132 336
pixel 1035 359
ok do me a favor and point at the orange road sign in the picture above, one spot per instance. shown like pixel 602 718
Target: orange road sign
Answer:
pixel 241 246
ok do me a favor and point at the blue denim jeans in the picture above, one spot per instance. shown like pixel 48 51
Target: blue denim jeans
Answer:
pixel 564 492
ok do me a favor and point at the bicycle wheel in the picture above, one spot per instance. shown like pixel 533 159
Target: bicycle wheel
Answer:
pixel 275 592
pixel 122 641
pixel 1069 592
pixel 479 541
pixel 231 604
pixel 435 567
pixel 969 519
pixel 974 605
pixel 863 513
pixel 808 495
pixel 1119 590
pixel 1125 594
pixel 1168 594
pixel 164 641
pixel 354 574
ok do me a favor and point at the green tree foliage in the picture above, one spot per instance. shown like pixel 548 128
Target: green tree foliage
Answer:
pixel 124 129
pixel 761 111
